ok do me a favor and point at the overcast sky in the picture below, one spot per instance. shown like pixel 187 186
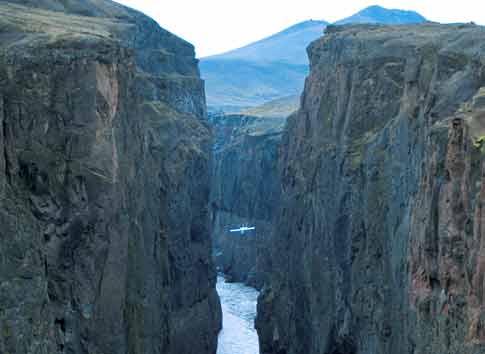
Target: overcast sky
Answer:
pixel 215 26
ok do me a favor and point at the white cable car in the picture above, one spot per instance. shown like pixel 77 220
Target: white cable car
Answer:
pixel 243 229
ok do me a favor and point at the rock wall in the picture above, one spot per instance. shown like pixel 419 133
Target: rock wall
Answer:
pixel 104 185
pixel 378 243
pixel 245 185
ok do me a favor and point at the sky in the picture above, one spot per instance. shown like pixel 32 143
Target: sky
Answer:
pixel 216 26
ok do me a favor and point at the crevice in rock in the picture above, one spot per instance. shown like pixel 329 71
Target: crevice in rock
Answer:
pixel 61 324
pixel 5 143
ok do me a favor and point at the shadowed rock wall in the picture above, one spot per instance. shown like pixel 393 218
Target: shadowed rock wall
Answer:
pixel 245 186
pixel 104 185
pixel 377 245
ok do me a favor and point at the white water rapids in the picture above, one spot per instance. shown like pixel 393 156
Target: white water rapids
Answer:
pixel 238 335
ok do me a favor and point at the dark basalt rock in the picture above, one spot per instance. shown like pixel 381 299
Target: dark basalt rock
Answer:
pixel 104 185
pixel 245 185
pixel 378 244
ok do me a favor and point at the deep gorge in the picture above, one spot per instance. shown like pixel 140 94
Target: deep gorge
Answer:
pixel 244 190
pixel 117 191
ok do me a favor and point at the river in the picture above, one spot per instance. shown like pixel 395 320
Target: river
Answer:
pixel 238 335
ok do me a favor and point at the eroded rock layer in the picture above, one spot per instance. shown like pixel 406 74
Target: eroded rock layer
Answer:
pixel 104 185
pixel 378 243
pixel 245 186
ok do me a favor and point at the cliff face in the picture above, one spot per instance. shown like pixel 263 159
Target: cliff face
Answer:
pixel 245 185
pixel 104 185
pixel 378 243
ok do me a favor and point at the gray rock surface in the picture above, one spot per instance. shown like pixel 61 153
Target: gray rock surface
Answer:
pixel 104 185
pixel 245 186
pixel 378 243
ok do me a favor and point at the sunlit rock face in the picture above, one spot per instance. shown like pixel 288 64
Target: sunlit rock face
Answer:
pixel 377 247
pixel 104 185
pixel 245 185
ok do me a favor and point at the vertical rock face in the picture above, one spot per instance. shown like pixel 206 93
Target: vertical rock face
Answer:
pixel 104 185
pixel 378 243
pixel 245 186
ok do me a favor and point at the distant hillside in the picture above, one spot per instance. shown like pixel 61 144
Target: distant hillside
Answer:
pixel 288 46
pixel 378 14
pixel 281 107
pixel 276 66
pixel 262 71
pixel 236 84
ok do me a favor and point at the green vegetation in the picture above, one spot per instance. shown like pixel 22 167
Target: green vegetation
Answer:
pixel 17 18
pixel 478 143
pixel 281 107
pixel 357 149
pixel 6 331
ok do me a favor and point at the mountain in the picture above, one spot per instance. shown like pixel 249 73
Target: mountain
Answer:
pixel 236 84
pixel 276 66
pixel 287 46
pixel 379 14
pixel 271 68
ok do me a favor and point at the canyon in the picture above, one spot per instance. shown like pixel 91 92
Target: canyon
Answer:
pixel 245 190
pixel 118 189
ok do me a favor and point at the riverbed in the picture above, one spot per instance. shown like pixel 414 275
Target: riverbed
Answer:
pixel 238 302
